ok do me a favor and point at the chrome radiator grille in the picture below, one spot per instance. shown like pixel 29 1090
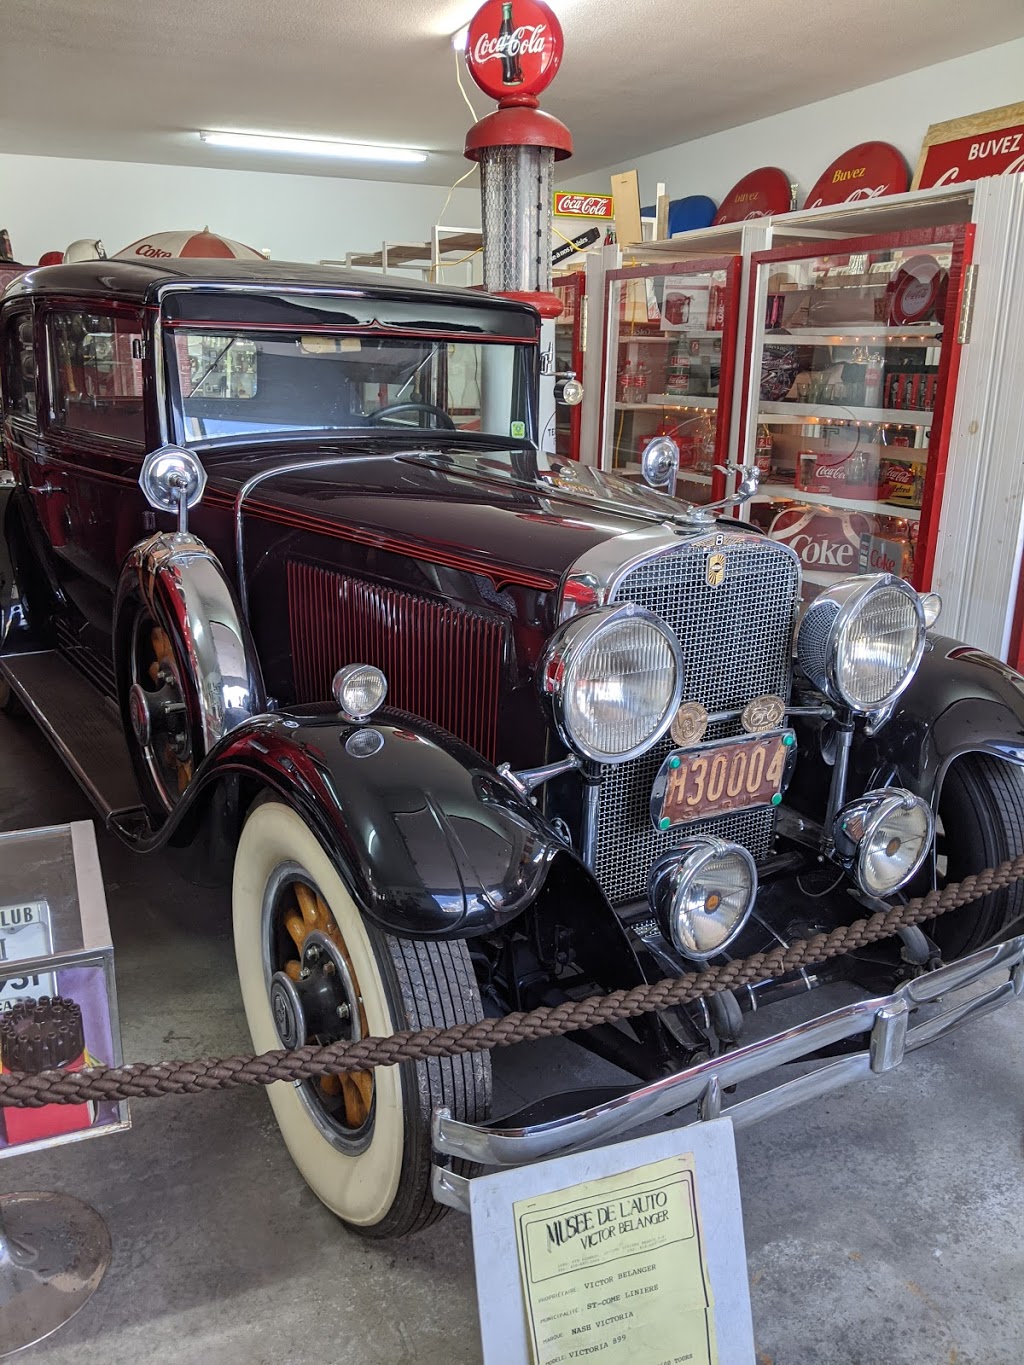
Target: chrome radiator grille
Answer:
pixel 736 641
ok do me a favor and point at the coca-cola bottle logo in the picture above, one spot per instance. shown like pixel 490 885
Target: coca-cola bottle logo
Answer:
pixel 514 47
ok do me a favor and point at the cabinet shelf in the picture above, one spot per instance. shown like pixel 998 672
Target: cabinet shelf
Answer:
pixel 657 401
pixel 913 334
pixel 801 414
pixel 772 492
pixel 673 338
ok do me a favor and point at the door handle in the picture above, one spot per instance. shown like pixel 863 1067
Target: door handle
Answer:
pixel 45 488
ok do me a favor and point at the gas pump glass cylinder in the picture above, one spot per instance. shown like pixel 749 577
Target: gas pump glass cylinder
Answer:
pixel 516 186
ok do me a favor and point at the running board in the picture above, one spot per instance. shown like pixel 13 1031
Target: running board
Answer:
pixel 81 724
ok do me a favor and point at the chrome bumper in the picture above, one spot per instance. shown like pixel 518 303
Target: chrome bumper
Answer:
pixel 886 1019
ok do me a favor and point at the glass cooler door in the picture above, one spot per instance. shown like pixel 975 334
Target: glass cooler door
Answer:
pixel 569 345
pixel 669 362
pixel 853 364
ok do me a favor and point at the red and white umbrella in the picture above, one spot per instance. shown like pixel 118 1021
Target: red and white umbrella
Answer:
pixel 163 246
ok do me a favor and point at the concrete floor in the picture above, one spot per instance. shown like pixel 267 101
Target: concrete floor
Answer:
pixel 884 1228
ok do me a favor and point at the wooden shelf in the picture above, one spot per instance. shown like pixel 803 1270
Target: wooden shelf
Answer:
pixel 772 492
pixel 458 244
pixel 834 414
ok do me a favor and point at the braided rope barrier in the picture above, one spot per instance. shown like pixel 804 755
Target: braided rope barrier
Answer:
pixel 148 1080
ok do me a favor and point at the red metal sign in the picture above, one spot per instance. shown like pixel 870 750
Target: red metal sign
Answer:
pixel 570 204
pixel 514 47
pixel 764 191
pixel 867 171
pixel 969 158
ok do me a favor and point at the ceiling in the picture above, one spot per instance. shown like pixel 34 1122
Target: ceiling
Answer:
pixel 134 79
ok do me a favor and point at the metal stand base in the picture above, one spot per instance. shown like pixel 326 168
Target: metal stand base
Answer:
pixel 54 1251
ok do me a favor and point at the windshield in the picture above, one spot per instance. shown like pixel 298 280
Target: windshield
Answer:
pixel 239 382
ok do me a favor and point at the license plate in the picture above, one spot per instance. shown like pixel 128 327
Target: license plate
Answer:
pixel 723 776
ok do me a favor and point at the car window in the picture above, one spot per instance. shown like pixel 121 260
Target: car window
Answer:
pixel 230 383
pixel 97 373
pixel 19 367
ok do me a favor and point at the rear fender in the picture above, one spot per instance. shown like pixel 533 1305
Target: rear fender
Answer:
pixel 429 839
pixel 962 700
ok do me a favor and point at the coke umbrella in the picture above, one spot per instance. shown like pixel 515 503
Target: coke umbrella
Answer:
pixel 162 246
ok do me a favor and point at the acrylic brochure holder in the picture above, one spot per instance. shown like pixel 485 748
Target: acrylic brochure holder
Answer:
pixel 58 1010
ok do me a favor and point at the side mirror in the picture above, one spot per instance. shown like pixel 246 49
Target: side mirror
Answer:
pixel 173 480
pixel 659 464
pixel 568 389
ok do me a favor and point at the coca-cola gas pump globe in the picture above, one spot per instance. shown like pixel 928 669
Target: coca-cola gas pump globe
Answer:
pixel 513 51
pixel 514 47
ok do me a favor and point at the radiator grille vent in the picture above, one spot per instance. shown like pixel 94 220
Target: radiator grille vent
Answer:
pixel 442 662
pixel 736 640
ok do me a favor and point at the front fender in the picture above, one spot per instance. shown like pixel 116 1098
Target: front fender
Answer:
pixel 181 585
pixel 961 701
pixel 430 841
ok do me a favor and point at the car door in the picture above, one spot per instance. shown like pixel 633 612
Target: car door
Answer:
pixel 95 425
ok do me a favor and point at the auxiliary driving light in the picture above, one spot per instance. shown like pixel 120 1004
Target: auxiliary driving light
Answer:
pixel 702 893
pixel 883 838
pixel 359 690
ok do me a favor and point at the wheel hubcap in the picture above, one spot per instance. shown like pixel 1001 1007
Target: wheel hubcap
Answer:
pixel 315 999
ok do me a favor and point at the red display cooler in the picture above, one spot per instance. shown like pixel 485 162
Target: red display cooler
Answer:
pixel 853 357
pixel 669 362
pixel 570 341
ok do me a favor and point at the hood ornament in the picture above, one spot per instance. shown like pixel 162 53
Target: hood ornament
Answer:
pixel 659 465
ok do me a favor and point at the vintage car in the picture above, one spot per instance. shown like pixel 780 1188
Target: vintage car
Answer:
pixel 478 729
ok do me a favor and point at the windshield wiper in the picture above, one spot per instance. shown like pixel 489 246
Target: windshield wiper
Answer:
pixel 212 366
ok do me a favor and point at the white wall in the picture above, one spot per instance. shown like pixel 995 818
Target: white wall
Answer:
pixel 48 202
pixel 803 141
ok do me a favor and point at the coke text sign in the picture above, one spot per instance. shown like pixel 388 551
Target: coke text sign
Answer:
pixel 570 204
pixel 514 48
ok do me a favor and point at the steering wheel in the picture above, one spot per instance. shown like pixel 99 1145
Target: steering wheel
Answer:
pixel 444 420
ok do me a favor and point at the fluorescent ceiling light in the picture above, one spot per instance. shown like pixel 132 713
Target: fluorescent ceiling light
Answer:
pixel 301 146
pixel 460 40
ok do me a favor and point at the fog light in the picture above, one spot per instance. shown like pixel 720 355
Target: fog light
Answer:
pixel 702 893
pixel 883 838
pixel 359 690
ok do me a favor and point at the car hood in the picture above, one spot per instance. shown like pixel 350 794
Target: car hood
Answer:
pixel 503 513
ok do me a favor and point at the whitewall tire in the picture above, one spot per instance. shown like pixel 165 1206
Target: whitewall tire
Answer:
pixel 372 1168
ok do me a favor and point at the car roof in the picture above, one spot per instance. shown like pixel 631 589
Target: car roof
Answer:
pixel 142 281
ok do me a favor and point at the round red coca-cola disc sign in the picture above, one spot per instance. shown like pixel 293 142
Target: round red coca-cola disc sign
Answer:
pixel 514 47
pixel 764 191
pixel 867 171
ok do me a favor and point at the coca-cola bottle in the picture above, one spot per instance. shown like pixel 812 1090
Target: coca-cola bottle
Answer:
pixel 513 72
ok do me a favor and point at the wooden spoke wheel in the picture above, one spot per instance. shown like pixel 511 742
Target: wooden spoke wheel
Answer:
pixel 313 969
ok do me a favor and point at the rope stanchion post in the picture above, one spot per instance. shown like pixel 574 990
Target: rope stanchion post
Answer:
pixel 144 1081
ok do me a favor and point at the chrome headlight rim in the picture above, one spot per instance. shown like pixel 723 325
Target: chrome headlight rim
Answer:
pixel 561 654
pixel 690 857
pixel 872 809
pixel 850 595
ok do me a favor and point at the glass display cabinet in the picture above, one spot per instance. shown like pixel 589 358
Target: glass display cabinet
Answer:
pixel 852 366
pixel 670 350
pixel 570 343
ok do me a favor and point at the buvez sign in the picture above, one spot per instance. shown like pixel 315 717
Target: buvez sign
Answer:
pixel 991 143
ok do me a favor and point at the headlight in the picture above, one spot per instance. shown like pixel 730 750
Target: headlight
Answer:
pixel 359 690
pixel 884 837
pixel 615 679
pixel 861 641
pixel 702 893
